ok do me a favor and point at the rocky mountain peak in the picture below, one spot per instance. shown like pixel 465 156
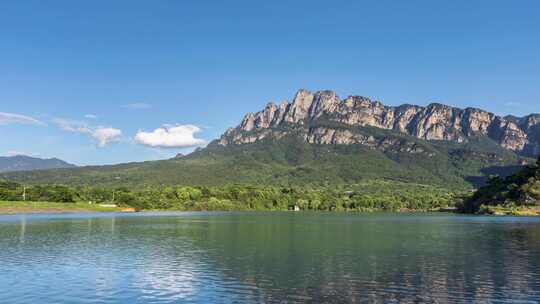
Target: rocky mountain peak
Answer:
pixel 436 121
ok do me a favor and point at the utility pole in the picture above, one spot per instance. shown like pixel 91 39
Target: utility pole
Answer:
pixel 113 196
pixel 24 193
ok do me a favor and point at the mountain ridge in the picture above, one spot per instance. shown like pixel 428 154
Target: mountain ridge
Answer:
pixel 435 121
pixel 320 139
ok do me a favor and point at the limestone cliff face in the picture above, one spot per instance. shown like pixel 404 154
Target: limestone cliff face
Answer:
pixel 434 122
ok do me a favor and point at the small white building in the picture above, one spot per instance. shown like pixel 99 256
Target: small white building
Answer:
pixel 294 208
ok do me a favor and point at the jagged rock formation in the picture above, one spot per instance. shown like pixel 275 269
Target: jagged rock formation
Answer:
pixel 434 122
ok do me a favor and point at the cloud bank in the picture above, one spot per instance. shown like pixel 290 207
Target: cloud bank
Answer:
pixel 72 125
pixel 12 118
pixel 176 136
pixel 103 135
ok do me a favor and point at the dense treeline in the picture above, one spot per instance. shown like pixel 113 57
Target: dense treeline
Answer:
pixel 370 195
pixel 10 191
pixel 518 190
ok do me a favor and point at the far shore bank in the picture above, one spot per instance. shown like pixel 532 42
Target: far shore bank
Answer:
pixel 515 211
pixel 19 207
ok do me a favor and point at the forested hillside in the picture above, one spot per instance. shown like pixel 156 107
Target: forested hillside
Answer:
pixel 291 161
pixel 515 191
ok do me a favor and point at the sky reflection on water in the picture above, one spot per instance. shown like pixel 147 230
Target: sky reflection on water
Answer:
pixel 268 257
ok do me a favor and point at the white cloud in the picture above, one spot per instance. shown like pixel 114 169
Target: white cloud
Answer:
pixel 103 135
pixel 73 125
pixel 12 118
pixel 90 116
pixel 176 136
pixel 137 106
pixel 106 135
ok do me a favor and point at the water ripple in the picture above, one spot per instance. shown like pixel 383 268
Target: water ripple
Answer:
pixel 268 258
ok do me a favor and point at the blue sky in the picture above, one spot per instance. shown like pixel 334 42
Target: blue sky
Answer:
pixel 87 70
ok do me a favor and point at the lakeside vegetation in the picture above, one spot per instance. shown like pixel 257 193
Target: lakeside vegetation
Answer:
pixel 366 196
pixel 517 194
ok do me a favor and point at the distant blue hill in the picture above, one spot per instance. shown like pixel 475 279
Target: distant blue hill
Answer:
pixel 27 163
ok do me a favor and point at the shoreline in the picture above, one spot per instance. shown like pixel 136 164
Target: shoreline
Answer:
pixel 510 211
pixel 19 207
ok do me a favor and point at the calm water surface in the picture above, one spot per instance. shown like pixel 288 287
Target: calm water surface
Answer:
pixel 268 257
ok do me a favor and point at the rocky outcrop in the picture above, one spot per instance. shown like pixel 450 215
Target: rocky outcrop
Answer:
pixel 331 136
pixel 433 122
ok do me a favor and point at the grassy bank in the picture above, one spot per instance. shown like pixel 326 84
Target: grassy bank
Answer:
pixel 11 207
pixel 510 210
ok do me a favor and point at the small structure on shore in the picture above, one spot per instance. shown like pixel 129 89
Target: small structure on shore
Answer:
pixel 294 207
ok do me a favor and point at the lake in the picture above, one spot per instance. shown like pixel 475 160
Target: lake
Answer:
pixel 272 257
